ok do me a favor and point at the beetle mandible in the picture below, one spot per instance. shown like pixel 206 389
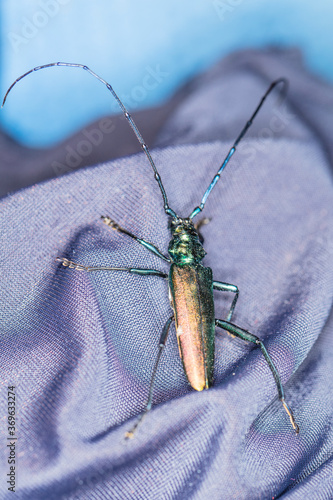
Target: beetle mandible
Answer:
pixel 190 284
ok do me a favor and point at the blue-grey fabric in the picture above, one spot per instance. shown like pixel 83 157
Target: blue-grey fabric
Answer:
pixel 80 347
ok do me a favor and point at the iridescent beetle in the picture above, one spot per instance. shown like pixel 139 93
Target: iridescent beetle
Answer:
pixel 190 283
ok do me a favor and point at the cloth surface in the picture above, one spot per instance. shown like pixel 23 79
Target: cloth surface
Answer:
pixel 80 347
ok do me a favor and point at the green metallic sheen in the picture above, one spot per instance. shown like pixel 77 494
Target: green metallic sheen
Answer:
pixel 185 247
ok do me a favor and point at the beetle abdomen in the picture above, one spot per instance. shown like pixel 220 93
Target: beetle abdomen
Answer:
pixel 191 295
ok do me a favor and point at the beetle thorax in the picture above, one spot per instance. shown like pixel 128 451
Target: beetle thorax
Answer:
pixel 185 247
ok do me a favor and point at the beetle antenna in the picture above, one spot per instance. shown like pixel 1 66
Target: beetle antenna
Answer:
pixel 237 141
pixel 127 115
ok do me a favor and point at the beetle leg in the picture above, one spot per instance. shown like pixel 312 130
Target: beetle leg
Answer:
pixel 131 270
pixel 152 248
pixel 227 287
pixel 162 342
pixel 249 337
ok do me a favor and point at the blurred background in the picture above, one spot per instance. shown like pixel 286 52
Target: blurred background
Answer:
pixel 145 49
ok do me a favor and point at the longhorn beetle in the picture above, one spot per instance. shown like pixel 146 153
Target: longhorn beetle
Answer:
pixel 190 283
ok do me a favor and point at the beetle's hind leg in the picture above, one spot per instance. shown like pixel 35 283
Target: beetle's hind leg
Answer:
pixel 162 342
pixel 249 337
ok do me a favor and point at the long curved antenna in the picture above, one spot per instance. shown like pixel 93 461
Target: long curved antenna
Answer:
pixel 127 115
pixel 237 141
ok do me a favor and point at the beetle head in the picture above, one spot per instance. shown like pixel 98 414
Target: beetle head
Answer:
pixel 185 247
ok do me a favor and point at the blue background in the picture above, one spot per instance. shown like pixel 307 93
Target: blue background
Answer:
pixel 123 40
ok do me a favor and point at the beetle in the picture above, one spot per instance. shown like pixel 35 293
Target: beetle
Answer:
pixel 190 283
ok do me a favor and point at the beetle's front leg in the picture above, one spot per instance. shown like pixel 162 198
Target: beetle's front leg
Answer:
pixel 227 287
pixel 149 246
pixel 249 337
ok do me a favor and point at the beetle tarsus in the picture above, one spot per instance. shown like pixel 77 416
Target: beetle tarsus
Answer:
pixel 130 434
pixel 291 416
pixel 109 222
pixel 71 264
